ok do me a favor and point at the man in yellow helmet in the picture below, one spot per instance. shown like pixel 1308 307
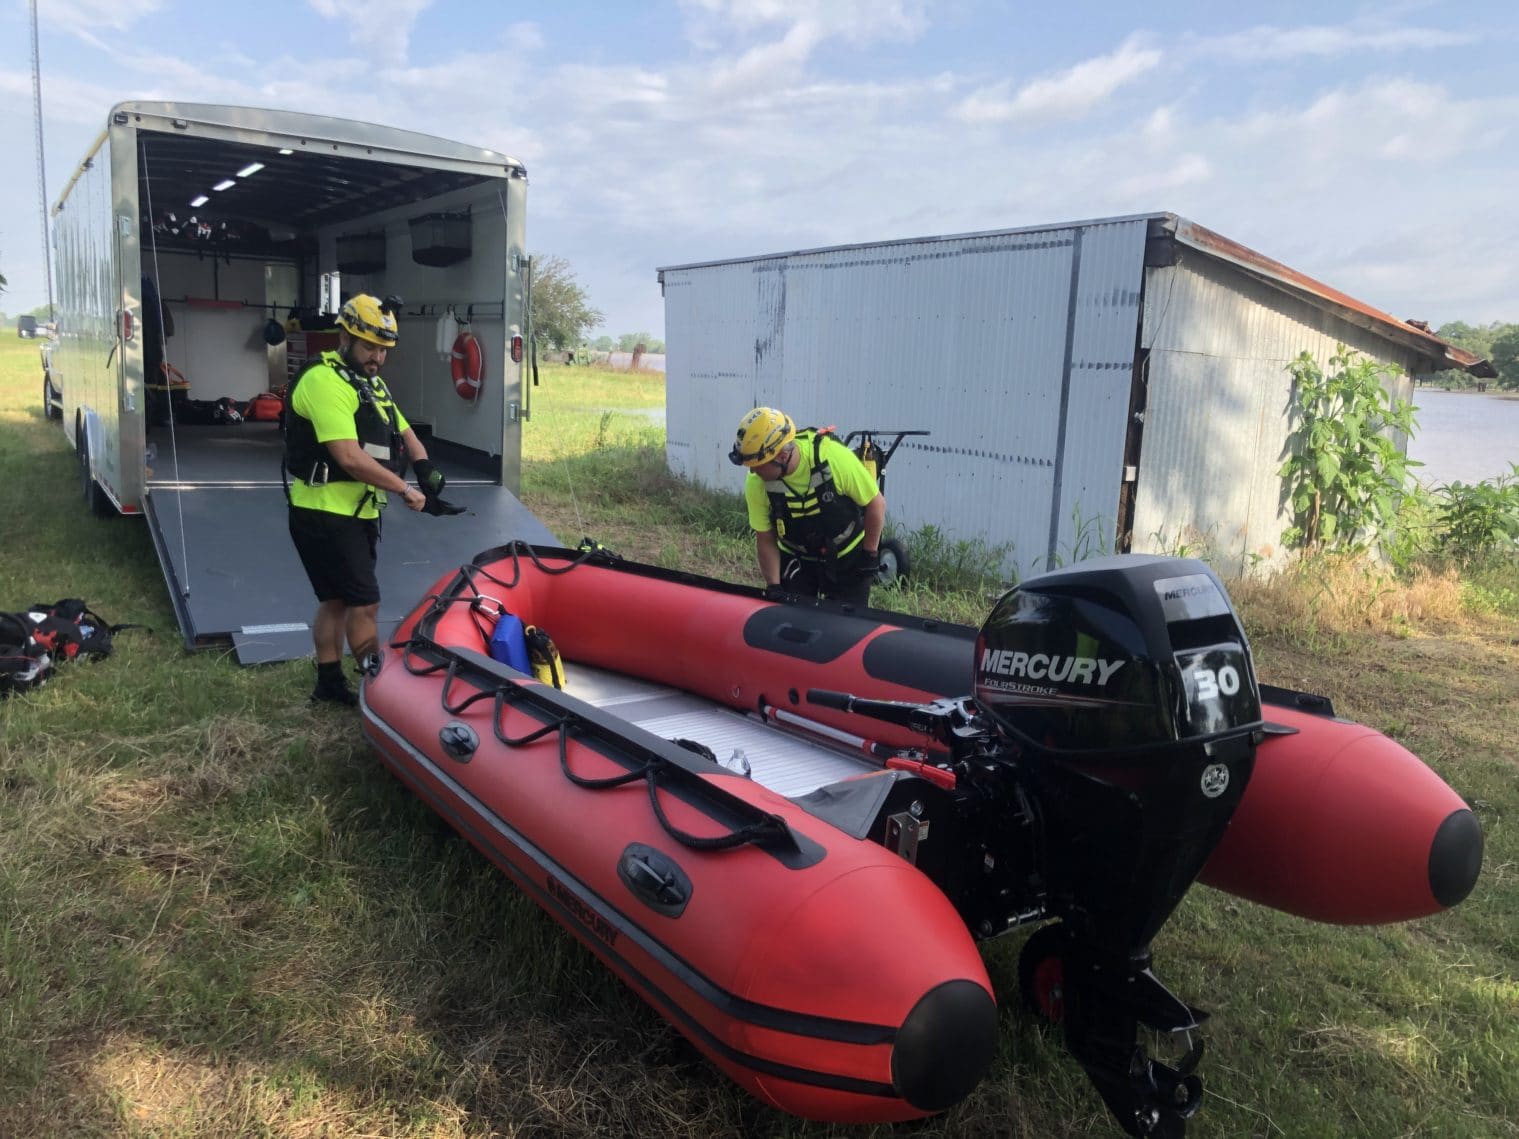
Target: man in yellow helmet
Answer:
pixel 346 447
pixel 816 511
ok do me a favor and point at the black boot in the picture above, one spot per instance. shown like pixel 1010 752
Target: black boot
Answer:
pixel 331 686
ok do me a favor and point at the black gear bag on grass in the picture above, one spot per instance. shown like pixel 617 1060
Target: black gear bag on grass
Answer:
pixel 33 642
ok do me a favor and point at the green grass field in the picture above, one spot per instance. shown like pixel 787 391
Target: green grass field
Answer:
pixel 219 916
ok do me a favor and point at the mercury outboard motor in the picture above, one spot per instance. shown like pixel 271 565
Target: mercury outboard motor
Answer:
pixel 1125 688
pixel 1108 738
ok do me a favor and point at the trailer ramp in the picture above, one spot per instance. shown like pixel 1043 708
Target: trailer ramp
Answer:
pixel 233 574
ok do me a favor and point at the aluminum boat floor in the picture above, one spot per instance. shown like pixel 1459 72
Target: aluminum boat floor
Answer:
pixel 787 763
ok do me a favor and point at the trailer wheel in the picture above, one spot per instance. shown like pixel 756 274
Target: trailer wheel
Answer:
pixel 95 497
pixel 1041 974
pixel 894 561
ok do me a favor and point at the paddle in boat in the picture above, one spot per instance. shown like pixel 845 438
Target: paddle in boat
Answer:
pixel 787 825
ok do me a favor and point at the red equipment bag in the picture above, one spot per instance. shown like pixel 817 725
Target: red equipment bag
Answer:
pixel 266 407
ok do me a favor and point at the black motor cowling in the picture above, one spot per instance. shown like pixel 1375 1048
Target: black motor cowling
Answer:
pixel 1116 655
pixel 1127 686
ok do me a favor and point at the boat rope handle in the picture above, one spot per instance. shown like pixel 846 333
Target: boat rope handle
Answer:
pixel 517 546
pixel 768 828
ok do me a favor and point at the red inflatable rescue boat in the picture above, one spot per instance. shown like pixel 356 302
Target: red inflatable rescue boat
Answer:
pixel 786 825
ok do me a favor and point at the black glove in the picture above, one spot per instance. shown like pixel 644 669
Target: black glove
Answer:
pixel 429 478
pixel 776 593
pixel 437 507
pixel 867 563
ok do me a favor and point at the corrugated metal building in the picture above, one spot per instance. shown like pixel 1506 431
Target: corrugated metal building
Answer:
pixel 1117 384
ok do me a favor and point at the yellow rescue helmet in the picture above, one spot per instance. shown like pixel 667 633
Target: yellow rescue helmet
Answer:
pixel 762 434
pixel 365 317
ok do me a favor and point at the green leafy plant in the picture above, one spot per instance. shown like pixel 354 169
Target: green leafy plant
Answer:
pixel 1479 520
pixel 945 563
pixel 1344 477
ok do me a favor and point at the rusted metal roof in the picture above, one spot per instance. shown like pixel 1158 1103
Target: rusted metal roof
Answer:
pixel 1442 355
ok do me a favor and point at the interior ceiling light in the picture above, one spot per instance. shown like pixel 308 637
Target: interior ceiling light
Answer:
pixel 199 200
pixel 286 150
pixel 251 168
pixel 225 184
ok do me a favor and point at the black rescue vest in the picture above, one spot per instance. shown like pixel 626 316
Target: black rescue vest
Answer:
pixel 374 424
pixel 819 521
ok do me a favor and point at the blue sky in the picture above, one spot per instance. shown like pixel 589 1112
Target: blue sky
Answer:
pixel 1375 147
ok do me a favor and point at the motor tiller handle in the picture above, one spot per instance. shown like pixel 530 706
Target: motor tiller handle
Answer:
pixel 929 719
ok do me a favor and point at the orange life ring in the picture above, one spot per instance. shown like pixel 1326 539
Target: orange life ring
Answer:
pixel 468 366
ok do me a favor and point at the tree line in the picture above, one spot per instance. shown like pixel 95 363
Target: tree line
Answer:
pixel 563 316
pixel 1498 342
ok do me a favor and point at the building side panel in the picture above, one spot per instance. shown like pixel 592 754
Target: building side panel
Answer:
pixel 1218 414
pixel 962 337
pixel 1105 320
pixel 770 282
pixel 710 322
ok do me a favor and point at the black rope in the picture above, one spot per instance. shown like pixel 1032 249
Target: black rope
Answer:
pixel 641 772
pixel 770 827
pixel 454 710
pixel 516 547
pixel 649 769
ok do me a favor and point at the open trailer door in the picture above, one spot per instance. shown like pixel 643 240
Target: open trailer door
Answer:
pixel 230 236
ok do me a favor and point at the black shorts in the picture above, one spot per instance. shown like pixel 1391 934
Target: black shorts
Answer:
pixel 338 553
pixel 837 580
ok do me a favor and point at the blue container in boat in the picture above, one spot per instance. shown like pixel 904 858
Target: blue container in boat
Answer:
pixel 508 645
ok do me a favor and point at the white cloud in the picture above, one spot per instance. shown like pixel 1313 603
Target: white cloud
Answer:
pixel 85 16
pixel 763 67
pixel 380 27
pixel 857 21
pixel 1160 124
pixel 1323 41
pixel 1381 121
pixel 1163 178
pixel 1068 94
pixel 523 36
pixel 804 25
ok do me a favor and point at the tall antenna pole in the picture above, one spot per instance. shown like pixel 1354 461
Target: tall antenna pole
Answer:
pixel 47 252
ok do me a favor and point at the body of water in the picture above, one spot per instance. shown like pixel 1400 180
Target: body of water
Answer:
pixel 1463 436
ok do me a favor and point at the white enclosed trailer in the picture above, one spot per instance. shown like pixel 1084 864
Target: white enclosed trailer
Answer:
pixel 1097 386
pixel 237 216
